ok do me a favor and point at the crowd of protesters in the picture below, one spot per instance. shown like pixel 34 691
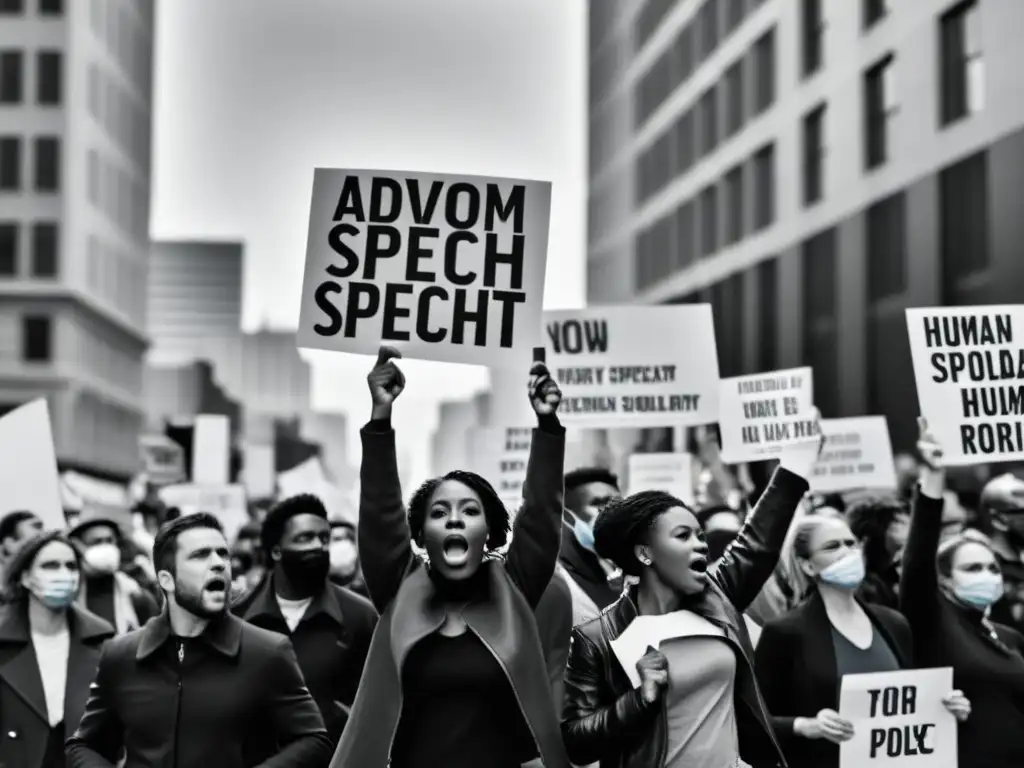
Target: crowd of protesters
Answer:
pixel 447 631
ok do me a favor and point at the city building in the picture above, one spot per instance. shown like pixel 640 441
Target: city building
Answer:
pixel 76 98
pixel 810 169
pixel 194 294
pixel 330 430
pixel 180 393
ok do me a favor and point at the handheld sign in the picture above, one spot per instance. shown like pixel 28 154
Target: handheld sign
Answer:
pixel 898 720
pixel 28 469
pixel 450 268
pixel 969 368
pixel 857 454
pixel 668 472
pixel 501 455
pixel 627 366
pixel 759 415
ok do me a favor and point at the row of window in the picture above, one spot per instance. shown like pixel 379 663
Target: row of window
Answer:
pixel 115 23
pixel 49 77
pixel 714 21
pixel 716 218
pixel 115 276
pixel 43 7
pixel 113 191
pixel 41 243
pixel 114 108
pixel 746 90
pixel 46 166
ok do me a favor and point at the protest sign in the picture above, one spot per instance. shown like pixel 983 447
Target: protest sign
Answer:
pixel 759 415
pixel 651 631
pixel 898 720
pixel 28 469
pixel 163 460
pixel 502 455
pixel 969 368
pixel 226 502
pixel 634 366
pixel 857 454
pixel 668 472
pixel 444 267
pixel 211 450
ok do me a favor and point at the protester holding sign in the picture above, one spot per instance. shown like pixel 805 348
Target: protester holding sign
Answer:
pixel 802 657
pixel 947 607
pixel 455 674
pixel 693 701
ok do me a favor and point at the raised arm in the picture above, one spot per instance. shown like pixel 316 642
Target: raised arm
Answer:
pixel 752 556
pixel 537 532
pixel 384 540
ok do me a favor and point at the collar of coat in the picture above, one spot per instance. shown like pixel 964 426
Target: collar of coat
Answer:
pixel 82 625
pixel 263 603
pixel 223 634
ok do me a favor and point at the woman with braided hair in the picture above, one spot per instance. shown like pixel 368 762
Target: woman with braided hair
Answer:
pixel 696 702
pixel 455 674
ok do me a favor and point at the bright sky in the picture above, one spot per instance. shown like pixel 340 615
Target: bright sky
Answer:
pixel 251 95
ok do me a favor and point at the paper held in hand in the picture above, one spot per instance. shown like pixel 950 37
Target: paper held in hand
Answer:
pixel 857 454
pixel 969 369
pixel 652 631
pixel 444 267
pixel 760 415
pixel 668 472
pixel 28 467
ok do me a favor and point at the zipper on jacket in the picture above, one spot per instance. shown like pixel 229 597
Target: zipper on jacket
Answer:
pixel 177 708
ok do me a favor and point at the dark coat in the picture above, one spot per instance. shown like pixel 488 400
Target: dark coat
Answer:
pixel 236 680
pixel 24 722
pixel 554 624
pixel 605 719
pixel 330 643
pixel 403 593
pixel 796 669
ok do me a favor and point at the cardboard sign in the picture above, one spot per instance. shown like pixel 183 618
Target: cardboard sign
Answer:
pixel 445 267
pixel 652 631
pixel 634 366
pixel 28 469
pixel 226 502
pixel 759 415
pixel 969 368
pixel 163 460
pixel 211 450
pixel 668 472
pixel 899 720
pixel 857 454
pixel 502 455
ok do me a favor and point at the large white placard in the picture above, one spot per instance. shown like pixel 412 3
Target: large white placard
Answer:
pixel 28 464
pixel 226 502
pixel 668 472
pixel 445 267
pixel 502 455
pixel 857 454
pixel 898 720
pixel 211 450
pixel 622 366
pixel 969 367
pixel 760 415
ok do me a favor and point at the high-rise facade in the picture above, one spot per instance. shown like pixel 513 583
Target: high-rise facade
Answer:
pixel 76 95
pixel 810 168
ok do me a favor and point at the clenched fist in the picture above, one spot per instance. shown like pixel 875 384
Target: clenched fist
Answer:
pixel 386 380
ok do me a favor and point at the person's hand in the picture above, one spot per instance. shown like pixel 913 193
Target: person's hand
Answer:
pixel 386 380
pixel 653 669
pixel 957 705
pixel 800 457
pixel 932 476
pixel 827 724
pixel 545 394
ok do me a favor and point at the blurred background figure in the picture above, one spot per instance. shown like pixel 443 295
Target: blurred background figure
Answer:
pixel 880 525
pixel 1001 508
pixel 345 570
pixel 15 527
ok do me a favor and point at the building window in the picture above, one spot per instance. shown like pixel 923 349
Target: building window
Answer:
pixel 11 6
pixel 734 205
pixel 36 341
pixel 686 235
pixel 962 66
pixel 47 168
pixel 93 177
pixel 8 249
pixel 51 7
pixel 874 11
pixel 734 12
pixel 45 237
pixel 685 142
pixel 764 72
pixel 814 155
pixel 886 224
pixel 684 54
pixel 764 187
pixel 709 221
pixel 964 222
pixel 820 327
pixel 709 31
pixel 734 99
pixel 10 163
pixel 768 314
pixel 709 120
pixel 649 18
pixel 812 30
pixel 879 110
pixel 49 77
pixel 11 77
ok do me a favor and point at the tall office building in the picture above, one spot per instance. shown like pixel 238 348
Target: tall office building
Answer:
pixel 76 92
pixel 194 294
pixel 811 168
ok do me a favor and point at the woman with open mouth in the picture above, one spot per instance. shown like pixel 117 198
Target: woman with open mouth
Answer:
pixel 455 674
pixel 665 677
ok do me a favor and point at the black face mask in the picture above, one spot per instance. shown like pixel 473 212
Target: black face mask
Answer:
pixel 306 569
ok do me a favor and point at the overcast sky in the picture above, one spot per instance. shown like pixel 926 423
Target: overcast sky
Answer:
pixel 251 95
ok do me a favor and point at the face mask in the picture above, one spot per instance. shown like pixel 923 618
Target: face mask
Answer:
pixel 56 593
pixel 846 572
pixel 583 531
pixel 343 557
pixel 103 558
pixel 978 589
pixel 306 569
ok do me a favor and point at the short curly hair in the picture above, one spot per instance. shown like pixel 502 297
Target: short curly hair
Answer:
pixel 869 520
pixel 625 523
pixel 495 512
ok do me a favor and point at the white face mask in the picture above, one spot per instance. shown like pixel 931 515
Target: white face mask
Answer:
pixel 979 589
pixel 103 558
pixel 343 557
pixel 846 572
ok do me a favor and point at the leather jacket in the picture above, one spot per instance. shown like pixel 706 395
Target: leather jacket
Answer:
pixel 605 719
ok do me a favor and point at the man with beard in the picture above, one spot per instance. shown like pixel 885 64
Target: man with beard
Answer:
pixel 330 627
pixel 195 685
pixel 1002 516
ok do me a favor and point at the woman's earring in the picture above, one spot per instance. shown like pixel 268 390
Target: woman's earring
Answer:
pixel 645 561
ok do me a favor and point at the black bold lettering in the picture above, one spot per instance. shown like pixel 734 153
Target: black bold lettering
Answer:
pixel 423 314
pixel 1004 330
pixel 451 246
pixel 909 703
pixel 376 251
pixel 873 694
pixel 493 257
pixel 350 201
pixel 338 246
pixel 877 740
pixel 920 734
pixel 354 312
pixel 322 297
pixel 378 214
pixel 422 214
pixel 969 402
pixel 415 253
pixel 894 748
pixel 451 206
pixel 393 312
pixel 932 336
pixel 939 364
pixel 890 701
pixel 497 208
pixel 508 301
pixel 967 439
pixel 462 315
pixel 572 337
